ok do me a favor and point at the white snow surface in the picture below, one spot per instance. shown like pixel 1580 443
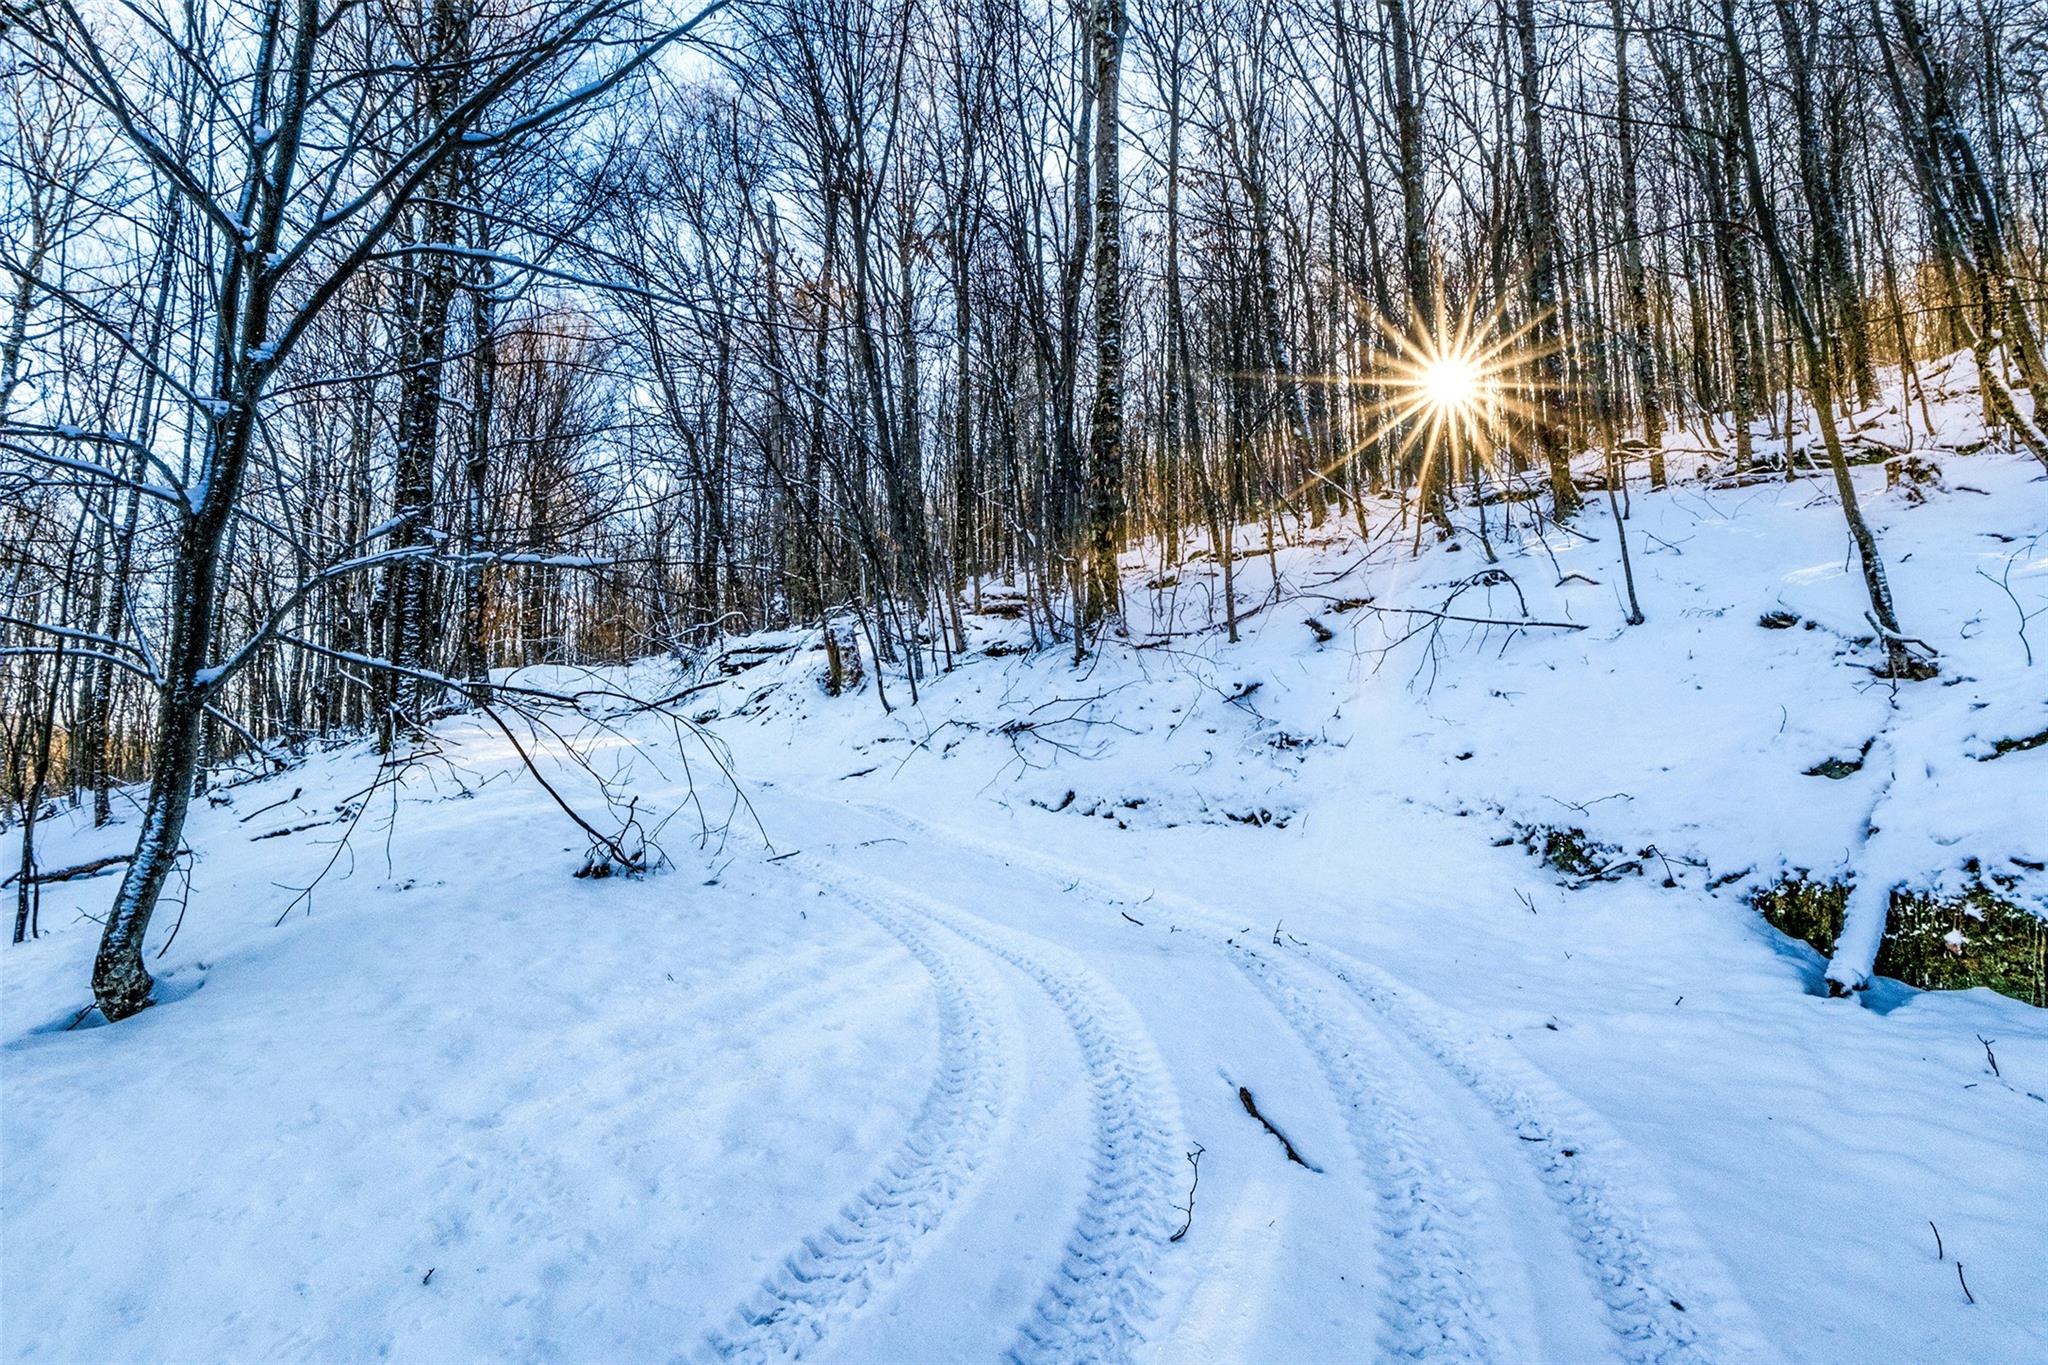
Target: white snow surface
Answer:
pixel 908 1060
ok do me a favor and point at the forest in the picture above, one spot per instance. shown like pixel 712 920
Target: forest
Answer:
pixel 350 355
pixel 528 370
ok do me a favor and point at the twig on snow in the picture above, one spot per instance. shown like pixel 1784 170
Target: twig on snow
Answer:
pixel 2004 583
pixel 1244 1097
pixel 627 861
pixel 296 792
pixel 1194 1160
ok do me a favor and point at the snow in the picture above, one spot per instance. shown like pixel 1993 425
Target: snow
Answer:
pixel 907 1058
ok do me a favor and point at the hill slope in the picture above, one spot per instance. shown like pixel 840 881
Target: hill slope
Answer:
pixel 918 1044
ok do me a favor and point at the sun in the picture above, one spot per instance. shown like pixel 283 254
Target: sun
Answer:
pixel 1448 384
pixel 1451 382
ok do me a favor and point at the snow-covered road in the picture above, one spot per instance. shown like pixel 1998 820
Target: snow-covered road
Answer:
pixel 1449 1203
pixel 929 1080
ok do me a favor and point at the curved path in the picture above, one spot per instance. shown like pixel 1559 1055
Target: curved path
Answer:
pixel 1104 1290
pixel 1408 1076
pixel 836 1270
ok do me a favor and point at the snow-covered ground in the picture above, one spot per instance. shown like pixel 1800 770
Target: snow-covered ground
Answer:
pixel 922 1055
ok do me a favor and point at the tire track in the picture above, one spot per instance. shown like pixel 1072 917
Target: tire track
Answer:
pixel 1431 1307
pixel 1105 1291
pixel 1665 1297
pixel 836 1270
pixel 1636 1269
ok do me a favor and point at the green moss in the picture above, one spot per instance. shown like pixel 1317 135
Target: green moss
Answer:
pixel 1805 909
pixel 2018 745
pixel 1976 939
pixel 1569 849
pixel 1937 942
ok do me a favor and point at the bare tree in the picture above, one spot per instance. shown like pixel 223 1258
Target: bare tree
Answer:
pixel 303 202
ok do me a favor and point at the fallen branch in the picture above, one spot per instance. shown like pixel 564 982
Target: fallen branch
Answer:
pixel 1244 1097
pixel 296 792
pixel 1611 872
pixel 1480 620
pixel 66 874
pixel 295 829
pixel 1194 1160
pixel 1436 615
pixel 625 860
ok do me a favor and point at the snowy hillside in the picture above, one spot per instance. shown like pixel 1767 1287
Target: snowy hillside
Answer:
pixel 942 1030
pixel 888 682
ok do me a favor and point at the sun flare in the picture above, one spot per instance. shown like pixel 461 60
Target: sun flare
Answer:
pixel 1446 386
pixel 1449 383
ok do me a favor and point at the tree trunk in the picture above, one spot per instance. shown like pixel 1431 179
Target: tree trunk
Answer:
pixel 1106 432
pixel 1552 442
pixel 1640 338
pixel 1899 661
pixel 1840 295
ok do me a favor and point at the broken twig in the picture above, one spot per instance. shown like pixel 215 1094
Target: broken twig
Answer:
pixel 1989 1055
pixel 1244 1097
pixel 65 874
pixel 1194 1160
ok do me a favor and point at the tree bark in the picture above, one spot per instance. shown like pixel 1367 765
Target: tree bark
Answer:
pixel 1106 431
pixel 1552 441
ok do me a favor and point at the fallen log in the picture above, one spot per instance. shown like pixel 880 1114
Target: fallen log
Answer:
pixel 68 874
